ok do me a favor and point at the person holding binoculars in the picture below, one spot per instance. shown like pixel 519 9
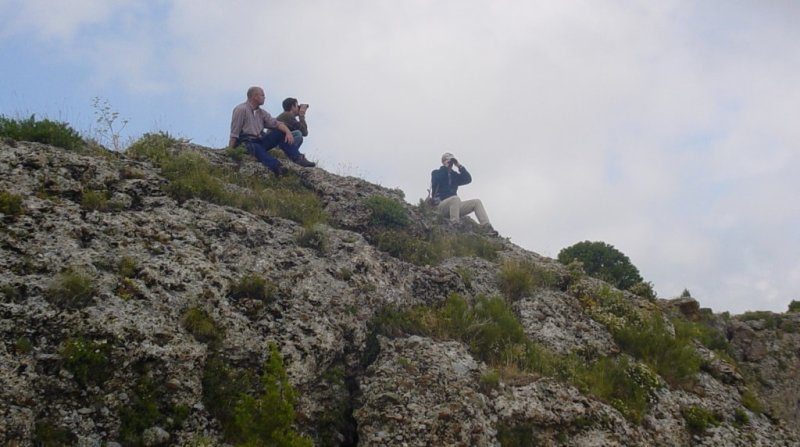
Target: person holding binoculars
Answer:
pixel 294 116
pixel 444 188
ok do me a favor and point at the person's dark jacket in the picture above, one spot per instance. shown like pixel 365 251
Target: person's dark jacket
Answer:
pixel 294 123
pixel 445 182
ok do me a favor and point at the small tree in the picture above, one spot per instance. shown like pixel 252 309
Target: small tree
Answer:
pixel 794 306
pixel 267 420
pixel 602 261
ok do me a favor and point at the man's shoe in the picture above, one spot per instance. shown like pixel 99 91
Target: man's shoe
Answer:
pixel 303 161
pixel 489 230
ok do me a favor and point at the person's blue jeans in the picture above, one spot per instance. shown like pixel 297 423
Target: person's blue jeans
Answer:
pixel 259 147
pixel 298 138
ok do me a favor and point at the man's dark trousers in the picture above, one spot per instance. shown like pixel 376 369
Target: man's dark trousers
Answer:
pixel 259 147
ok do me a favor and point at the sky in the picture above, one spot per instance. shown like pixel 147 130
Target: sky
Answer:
pixel 667 129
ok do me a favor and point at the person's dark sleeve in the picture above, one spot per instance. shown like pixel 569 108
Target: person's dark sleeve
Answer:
pixel 434 184
pixel 303 126
pixel 463 176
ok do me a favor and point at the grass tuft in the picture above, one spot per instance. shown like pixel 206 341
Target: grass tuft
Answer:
pixel 517 279
pixel 10 204
pixel 200 324
pixel 71 290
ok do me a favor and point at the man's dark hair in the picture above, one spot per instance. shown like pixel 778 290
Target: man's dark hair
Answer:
pixel 288 103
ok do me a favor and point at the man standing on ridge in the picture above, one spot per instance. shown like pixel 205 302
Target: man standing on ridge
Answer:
pixel 294 116
pixel 444 188
pixel 247 126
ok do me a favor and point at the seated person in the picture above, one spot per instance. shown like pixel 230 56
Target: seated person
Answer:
pixel 248 123
pixel 444 188
pixel 294 116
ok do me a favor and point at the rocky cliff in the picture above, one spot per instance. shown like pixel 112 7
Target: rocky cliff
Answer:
pixel 137 308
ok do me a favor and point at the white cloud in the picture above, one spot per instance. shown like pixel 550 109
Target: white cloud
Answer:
pixel 54 20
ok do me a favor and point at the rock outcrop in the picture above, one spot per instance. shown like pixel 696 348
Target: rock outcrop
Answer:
pixel 122 364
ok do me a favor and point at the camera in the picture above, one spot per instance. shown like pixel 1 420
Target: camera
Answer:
pixel 452 162
pixel 303 106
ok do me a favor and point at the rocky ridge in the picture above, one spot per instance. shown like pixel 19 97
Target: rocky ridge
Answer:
pixel 353 388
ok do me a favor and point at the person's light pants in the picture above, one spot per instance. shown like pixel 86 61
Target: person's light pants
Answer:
pixel 456 208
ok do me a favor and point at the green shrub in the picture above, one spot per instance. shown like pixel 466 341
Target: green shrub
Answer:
pixel 23 345
pixel 72 289
pixel 495 334
pixel 141 413
pixel 94 200
pixel 643 289
pixel 462 245
pixel 465 274
pixel 200 324
pixel 10 204
pixel 42 131
pixel 794 306
pixel 267 420
pixel 192 176
pixel 709 336
pixel 522 435
pixel 87 360
pixel 626 385
pixel 648 338
pixel 406 247
pixel 153 146
pixel 237 153
pixel 603 261
pixel 46 433
pixel 514 280
pixel 255 287
pixel 10 293
pixel 698 419
pixel 740 418
pixel 751 401
pixel 148 407
pixel 576 271
pixel 301 206
pixel 222 388
pixel 517 279
pixel 127 267
pixel 387 212
pixel 673 357
pixel 490 380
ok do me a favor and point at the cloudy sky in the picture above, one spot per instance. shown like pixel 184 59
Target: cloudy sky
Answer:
pixel 668 129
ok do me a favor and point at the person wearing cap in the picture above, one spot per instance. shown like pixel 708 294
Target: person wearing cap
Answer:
pixel 248 123
pixel 294 116
pixel 444 190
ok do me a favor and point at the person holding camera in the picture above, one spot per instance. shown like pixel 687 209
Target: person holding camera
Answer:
pixel 294 116
pixel 444 188
pixel 248 123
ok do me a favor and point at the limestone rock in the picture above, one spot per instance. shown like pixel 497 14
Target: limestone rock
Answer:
pixel 407 390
